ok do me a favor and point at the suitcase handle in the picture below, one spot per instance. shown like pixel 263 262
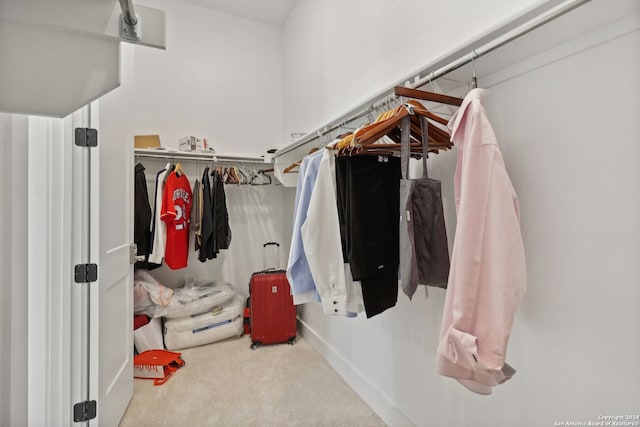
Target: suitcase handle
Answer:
pixel 264 254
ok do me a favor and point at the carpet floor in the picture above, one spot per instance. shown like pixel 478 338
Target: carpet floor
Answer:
pixel 228 384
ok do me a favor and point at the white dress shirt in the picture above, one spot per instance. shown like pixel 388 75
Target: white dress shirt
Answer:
pixel 322 244
pixel 160 228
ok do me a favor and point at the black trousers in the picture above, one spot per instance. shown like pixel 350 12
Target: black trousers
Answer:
pixel 368 194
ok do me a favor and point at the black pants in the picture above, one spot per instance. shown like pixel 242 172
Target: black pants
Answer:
pixel 368 199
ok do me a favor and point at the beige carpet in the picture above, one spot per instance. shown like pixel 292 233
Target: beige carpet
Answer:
pixel 227 384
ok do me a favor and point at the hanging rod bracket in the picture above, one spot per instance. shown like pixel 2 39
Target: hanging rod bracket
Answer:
pixel 130 32
pixel 130 24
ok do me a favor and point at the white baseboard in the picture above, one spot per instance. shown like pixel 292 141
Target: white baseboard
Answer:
pixel 369 392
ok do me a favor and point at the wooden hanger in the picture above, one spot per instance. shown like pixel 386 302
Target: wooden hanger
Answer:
pixel 235 176
pixel 384 128
pixel 427 96
pixel 348 141
pixel 178 169
pixel 366 143
pixel 292 166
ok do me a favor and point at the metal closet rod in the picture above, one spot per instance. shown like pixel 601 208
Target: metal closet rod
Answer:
pixel 426 75
pixel 204 157
pixel 128 12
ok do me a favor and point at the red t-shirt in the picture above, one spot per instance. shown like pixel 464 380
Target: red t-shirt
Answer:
pixel 176 211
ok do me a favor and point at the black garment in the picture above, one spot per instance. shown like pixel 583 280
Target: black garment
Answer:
pixel 143 223
pixel 207 248
pixel 342 167
pixel 424 252
pixel 368 197
pixel 220 214
pixel 142 213
pixel 374 197
pixel 380 293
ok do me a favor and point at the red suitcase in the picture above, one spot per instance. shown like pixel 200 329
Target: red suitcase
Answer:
pixel 272 313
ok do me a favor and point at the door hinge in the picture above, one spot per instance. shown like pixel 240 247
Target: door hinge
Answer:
pixel 84 411
pixel 86 273
pixel 86 137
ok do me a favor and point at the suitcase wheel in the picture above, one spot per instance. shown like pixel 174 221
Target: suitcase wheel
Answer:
pixel 255 345
pixel 291 341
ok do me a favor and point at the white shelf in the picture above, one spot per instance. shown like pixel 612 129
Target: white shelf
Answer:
pixel 195 156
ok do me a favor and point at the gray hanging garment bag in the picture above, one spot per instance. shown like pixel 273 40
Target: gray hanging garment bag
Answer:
pixel 424 251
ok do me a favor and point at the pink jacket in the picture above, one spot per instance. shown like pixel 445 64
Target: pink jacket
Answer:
pixel 488 274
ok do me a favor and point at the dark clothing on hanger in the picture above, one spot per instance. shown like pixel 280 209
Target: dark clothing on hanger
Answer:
pixel 380 293
pixel 341 165
pixel 196 215
pixel 142 212
pixel 144 219
pixel 172 167
pixel 424 252
pixel 373 197
pixel 368 198
pixel 207 248
pixel 220 214
pixel 429 233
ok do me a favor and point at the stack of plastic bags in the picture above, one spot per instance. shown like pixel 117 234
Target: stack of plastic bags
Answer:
pixel 195 314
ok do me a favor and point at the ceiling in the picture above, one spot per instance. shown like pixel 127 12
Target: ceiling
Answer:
pixel 272 12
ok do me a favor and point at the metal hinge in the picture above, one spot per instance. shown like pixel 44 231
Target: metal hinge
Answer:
pixel 86 137
pixel 84 411
pixel 86 273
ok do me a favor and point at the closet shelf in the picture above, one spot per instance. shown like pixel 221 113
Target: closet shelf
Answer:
pixel 195 156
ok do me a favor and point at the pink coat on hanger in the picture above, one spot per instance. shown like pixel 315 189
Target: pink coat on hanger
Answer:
pixel 488 273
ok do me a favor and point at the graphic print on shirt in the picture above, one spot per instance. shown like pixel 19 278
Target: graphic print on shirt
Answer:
pixel 180 199
pixel 176 209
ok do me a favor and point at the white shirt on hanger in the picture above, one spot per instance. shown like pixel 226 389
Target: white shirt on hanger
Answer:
pixel 160 228
pixel 340 295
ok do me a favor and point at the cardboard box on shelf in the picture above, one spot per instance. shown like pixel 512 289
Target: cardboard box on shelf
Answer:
pixel 146 141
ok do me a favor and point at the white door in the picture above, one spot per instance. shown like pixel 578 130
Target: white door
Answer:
pixel 80 337
pixel 111 315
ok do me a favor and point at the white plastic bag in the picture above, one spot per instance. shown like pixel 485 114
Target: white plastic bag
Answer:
pixel 149 296
pixel 197 297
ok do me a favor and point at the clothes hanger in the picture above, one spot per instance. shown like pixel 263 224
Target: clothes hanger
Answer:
pixel 234 174
pixel 348 140
pixel 265 177
pixel 474 80
pixel 292 166
pixel 410 108
pixel 255 179
pixel 178 169
pixel 427 96
pixel 242 176
pixel 366 143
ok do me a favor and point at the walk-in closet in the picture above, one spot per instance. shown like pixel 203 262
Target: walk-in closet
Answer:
pixel 320 213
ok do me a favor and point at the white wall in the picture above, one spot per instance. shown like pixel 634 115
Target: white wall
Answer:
pixel 338 53
pixel 13 270
pixel 220 78
pixel 567 125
